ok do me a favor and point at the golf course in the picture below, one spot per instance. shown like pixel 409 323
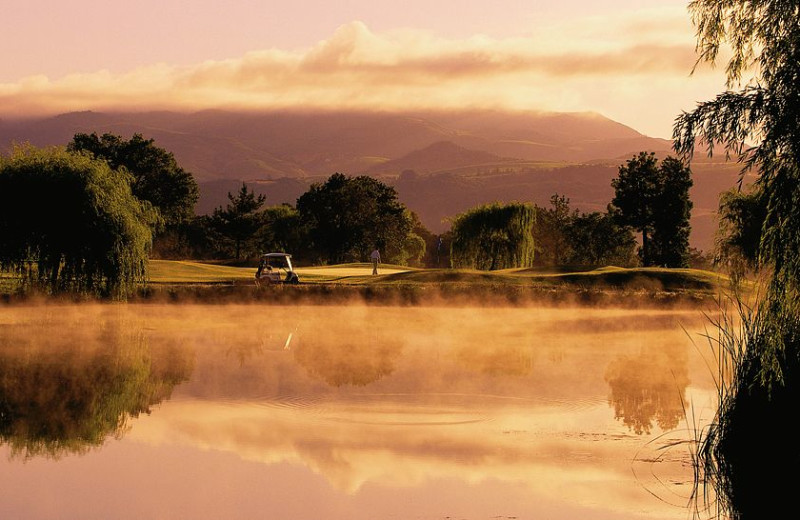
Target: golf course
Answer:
pixel 179 280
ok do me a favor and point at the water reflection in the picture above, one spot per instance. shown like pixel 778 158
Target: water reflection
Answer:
pixel 361 357
pixel 66 387
pixel 649 386
pixel 357 407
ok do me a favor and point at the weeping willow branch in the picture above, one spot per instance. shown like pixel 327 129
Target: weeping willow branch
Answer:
pixel 494 236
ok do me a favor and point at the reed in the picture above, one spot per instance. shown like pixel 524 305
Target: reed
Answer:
pixel 746 458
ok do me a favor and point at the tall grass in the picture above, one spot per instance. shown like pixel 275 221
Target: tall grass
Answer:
pixel 747 459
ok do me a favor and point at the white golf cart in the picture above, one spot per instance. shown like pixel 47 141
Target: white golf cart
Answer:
pixel 275 268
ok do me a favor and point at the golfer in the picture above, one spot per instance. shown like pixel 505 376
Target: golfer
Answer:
pixel 375 256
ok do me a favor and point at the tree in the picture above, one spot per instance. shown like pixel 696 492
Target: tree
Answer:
pixel 494 236
pixel 346 217
pixel 634 190
pixel 240 219
pixel 741 216
pixel 672 209
pixel 70 223
pixel 654 200
pixel 596 239
pixel 155 174
pixel 552 244
pixel 281 231
pixel 764 39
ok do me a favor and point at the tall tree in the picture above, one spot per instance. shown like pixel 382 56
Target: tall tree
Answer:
pixel 240 219
pixel 741 216
pixel 281 231
pixel 70 223
pixel 155 174
pixel 654 200
pixel 763 37
pixel 494 236
pixel 672 209
pixel 550 231
pixel 635 189
pixel 347 217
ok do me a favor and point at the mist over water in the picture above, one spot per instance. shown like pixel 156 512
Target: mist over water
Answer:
pixel 351 411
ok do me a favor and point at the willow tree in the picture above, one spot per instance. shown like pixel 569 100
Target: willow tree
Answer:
pixel 69 223
pixel 493 236
pixel 764 41
pixel 752 444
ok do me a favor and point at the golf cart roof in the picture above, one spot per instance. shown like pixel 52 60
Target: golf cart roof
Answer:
pixel 276 255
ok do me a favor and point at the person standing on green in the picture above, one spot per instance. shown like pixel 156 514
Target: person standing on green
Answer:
pixel 375 256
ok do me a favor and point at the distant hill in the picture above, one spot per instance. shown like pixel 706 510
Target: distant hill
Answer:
pixel 232 145
pixel 440 156
pixel 452 160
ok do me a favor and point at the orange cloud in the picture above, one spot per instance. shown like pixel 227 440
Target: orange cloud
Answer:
pixel 357 68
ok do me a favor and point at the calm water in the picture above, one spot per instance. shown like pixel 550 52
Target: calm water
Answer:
pixel 211 411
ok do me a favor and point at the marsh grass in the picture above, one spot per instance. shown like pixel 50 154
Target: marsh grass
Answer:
pixel 747 457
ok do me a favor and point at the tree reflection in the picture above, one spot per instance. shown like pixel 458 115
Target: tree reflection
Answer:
pixel 355 358
pixel 66 389
pixel 497 360
pixel 648 387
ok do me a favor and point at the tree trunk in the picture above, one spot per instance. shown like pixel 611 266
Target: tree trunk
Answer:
pixel 645 252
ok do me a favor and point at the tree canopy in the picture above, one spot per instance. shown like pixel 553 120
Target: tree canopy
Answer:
pixel 347 217
pixel 552 243
pixel 756 119
pixel 654 199
pixel 760 122
pixel 155 174
pixel 596 239
pixel 240 219
pixel 741 215
pixel 494 236
pixel 70 223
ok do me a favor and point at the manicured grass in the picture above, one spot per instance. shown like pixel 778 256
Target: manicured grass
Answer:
pixel 610 278
pixel 187 280
pixel 180 271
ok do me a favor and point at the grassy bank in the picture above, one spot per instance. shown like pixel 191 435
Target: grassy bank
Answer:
pixel 188 281
pixel 174 280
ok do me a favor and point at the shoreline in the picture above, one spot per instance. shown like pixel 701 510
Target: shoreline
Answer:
pixel 472 295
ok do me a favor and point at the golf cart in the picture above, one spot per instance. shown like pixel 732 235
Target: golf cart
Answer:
pixel 275 268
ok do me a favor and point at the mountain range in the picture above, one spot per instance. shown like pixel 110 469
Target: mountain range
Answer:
pixel 441 163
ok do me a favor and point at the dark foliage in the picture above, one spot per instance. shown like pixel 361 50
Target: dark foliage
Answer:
pixel 346 217
pixel 155 174
pixel 240 219
pixel 654 199
pixel 494 236
pixel 69 223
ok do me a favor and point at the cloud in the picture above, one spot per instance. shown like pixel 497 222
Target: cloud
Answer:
pixel 357 68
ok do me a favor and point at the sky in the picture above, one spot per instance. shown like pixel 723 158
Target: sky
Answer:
pixel 628 60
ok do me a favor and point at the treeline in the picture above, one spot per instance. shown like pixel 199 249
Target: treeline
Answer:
pixel 344 218
pixel 87 218
pixel 338 221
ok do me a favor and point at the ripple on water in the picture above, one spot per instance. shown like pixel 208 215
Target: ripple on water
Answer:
pixel 411 409
pixel 663 467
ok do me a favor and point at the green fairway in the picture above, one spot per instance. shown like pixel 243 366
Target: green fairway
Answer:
pixel 605 278
pixel 181 271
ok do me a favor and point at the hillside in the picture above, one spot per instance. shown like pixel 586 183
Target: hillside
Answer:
pixel 440 156
pixel 229 145
pixel 441 163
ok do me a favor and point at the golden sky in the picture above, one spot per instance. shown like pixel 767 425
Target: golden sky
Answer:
pixel 628 60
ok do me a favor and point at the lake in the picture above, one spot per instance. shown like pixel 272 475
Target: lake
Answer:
pixel 350 412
